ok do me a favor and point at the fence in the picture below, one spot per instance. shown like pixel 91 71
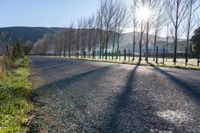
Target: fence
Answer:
pixel 126 56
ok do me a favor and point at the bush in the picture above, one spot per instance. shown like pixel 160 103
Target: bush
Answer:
pixel 17 51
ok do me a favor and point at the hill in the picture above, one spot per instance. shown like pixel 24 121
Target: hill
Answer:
pixel 27 33
pixel 127 42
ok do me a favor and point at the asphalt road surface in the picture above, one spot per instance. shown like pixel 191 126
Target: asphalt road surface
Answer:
pixel 85 96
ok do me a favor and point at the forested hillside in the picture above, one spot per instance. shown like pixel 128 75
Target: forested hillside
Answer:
pixel 27 33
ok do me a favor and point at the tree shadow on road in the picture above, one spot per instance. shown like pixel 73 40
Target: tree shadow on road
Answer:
pixel 52 99
pixel 190 89
pixel 129 114
pixel 126 114
pixel 62 83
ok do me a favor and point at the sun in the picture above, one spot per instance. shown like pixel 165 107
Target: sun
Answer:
pixel 143 13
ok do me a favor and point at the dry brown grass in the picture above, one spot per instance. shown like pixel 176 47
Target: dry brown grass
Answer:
pixel 2 73
pixel 2 70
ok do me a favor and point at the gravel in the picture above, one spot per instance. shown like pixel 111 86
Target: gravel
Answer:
pixel 90 97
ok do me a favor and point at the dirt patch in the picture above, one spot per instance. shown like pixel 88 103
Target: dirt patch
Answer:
pixel 36 81
pixel 36 78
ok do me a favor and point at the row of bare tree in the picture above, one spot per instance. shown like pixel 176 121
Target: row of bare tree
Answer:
pixel 177 18
pixel 97 32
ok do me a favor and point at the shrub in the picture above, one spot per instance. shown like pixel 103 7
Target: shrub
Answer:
pixel 17 51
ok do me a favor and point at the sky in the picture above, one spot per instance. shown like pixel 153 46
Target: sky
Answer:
pixel 48 13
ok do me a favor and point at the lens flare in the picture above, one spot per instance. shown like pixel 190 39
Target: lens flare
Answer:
pixel 143 13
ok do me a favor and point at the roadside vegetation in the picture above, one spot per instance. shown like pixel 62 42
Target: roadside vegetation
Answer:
pixel 14 90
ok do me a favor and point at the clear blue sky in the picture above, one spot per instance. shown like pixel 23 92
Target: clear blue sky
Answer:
pixel 48 13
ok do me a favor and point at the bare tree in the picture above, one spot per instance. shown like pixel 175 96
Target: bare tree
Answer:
pixel 78 35
pixel 58 43
pixel 114 36
pixel 142 29
pixel 83 35
pixel 27 46
pixel 159 23
pixel 135 24
pixel 109 10
pixel 151 5
pixel 192 7
pixel 70 39
pixel 122 19
pixel 42 45
pixel 81 27
pixel 147 41
pixel 90 24
pixel 95 38
pixel 64 34
pixel 100 23
pixel 176 10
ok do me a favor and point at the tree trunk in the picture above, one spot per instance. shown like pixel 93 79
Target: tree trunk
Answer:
pixel 118 46
pixel 124 54
pixel 176 31
pixel 140 44
pixel 154 46
pixel 147 42
pixel 163 55
pixel 134 45
pixel 188 30
pixel 198 57
pixel 157 54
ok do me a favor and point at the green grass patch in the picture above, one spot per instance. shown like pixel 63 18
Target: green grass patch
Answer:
pixel 14 91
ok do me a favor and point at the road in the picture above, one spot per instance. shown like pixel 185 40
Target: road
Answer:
pixel 85 96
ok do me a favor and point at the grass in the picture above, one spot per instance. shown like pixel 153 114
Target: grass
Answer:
pixel 192 64
pixel 14 91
